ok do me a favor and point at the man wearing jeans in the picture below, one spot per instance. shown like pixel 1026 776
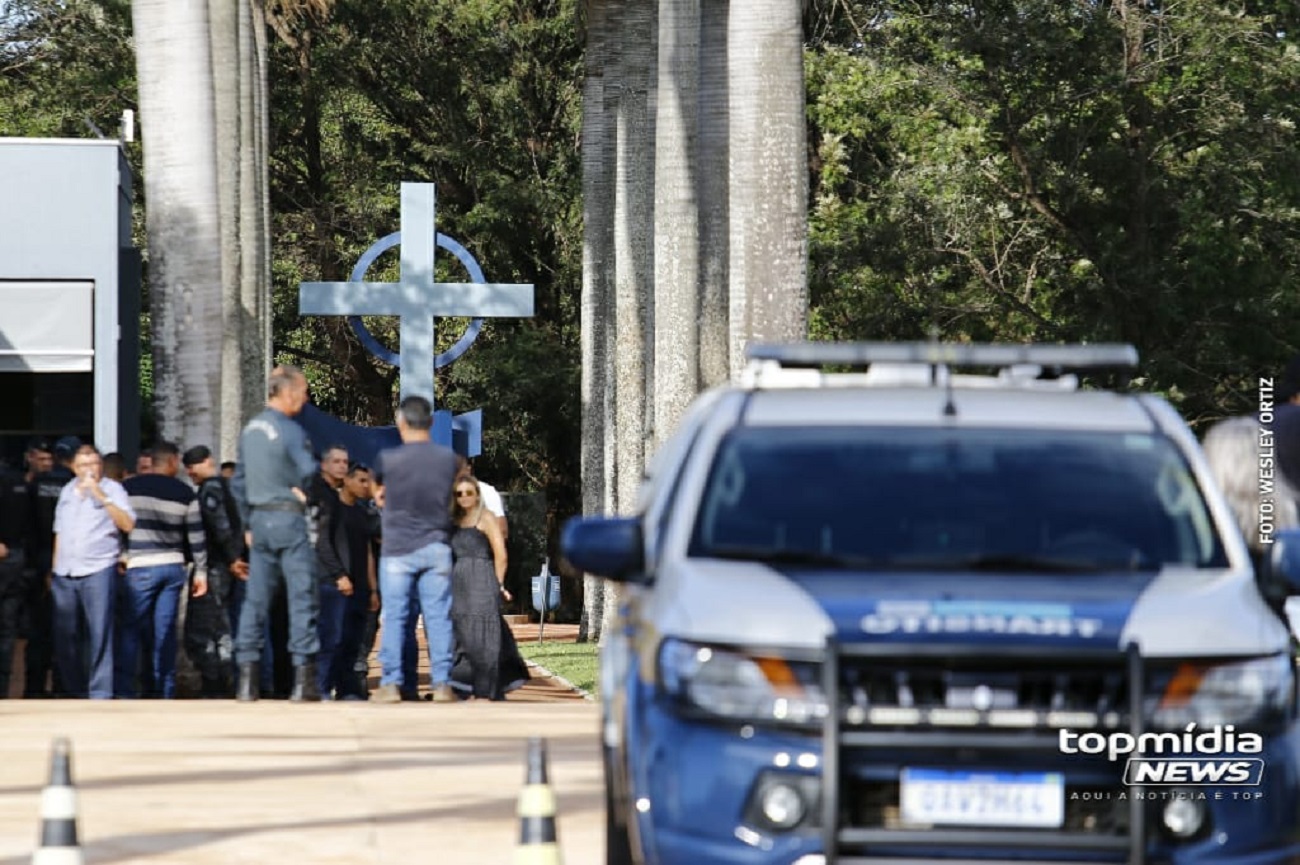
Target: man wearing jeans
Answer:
pixel 168 530
pixel 415 482
pixel 91 514
pixel 275 468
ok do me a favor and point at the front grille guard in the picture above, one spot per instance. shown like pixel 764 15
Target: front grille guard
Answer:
pixel 845 845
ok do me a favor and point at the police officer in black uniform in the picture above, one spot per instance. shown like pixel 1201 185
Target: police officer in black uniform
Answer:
pixel 323 517
pixel 209 638
pixel 44 491
pixel 17 529
pixel 275 469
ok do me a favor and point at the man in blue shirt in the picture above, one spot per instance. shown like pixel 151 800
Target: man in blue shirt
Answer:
pixel 89 519
pixel 275 467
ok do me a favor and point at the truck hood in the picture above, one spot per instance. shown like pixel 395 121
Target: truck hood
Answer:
pixel 1178 612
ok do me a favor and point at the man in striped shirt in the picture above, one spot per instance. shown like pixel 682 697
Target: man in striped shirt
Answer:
pixel 168 532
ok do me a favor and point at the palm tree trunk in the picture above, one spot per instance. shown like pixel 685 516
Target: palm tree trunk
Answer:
pixel 254 308
pixel 634 255
pixel 177 120
pixel 676 217
pixel 714 154
pixel 769 176
pixel 634 268
pixel 228 76
pixel 256 289
pixel 597 269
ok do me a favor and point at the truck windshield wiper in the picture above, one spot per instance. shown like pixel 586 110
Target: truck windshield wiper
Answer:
pixel 782 556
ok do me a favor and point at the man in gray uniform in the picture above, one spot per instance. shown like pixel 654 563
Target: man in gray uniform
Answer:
pixel 275 467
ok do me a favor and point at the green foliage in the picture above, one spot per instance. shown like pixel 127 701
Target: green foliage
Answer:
pixel 1016 169
pixel 481 97
pixel 1008 169
pixel 64 65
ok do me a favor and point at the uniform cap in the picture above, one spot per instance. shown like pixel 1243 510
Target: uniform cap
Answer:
pixel 66 446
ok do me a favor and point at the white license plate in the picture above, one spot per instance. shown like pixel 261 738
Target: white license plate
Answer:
pixel 937 797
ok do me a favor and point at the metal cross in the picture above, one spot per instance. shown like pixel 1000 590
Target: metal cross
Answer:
pixel 417 298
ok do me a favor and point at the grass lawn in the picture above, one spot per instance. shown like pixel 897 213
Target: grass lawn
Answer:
pixel 573 661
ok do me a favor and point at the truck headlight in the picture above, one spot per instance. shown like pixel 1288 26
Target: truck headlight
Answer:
pixel 731 684
pixel 1255 691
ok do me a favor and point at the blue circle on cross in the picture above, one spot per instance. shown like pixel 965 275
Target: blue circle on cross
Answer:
pixel 377 348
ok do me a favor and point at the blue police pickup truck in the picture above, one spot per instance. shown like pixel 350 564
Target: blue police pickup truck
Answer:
pixel 943 604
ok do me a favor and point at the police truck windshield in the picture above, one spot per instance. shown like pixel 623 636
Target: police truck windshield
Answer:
pixel 969 499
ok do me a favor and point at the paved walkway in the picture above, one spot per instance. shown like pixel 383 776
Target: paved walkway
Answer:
pixel 198 782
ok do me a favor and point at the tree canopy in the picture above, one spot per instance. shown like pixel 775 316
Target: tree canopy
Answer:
pixel 1000 170
pixel 481 98
pixel 1019 169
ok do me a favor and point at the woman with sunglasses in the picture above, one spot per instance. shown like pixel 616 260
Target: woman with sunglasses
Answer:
pixel 488 664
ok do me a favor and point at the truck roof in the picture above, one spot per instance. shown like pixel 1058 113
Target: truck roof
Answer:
pixel 972 407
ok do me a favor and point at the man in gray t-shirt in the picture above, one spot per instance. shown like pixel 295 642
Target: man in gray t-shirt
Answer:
pixel 415 482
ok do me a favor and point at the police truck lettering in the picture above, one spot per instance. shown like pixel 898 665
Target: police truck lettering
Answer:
pixel 985 623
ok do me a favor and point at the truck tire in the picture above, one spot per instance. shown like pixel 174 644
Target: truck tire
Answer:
pixel 618 848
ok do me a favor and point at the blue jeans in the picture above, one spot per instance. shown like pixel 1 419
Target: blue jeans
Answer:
pixel 333 614
pixel 89 597
pixel 267 668
pixel 349 682
pixel 411 649
pixel 429 570
pixel 148 603
pixel 280 552
pixel 342 631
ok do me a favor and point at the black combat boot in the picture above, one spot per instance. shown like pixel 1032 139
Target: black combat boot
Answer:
pixel 249 682
pixel 305 689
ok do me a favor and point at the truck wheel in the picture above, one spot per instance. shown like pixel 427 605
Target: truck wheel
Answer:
pixel 618 849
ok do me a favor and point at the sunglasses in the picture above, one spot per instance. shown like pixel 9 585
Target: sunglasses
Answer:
pixel 462 493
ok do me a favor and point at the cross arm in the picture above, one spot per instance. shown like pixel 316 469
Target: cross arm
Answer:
pixel 463 299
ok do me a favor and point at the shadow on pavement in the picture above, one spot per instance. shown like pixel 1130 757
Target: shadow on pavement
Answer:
pixel 125 848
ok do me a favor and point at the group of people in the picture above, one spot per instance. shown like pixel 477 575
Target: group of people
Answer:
pixel 94 561
pixel 282 564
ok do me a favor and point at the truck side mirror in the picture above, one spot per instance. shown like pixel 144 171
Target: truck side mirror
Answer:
pixel 610 547
pixel 1280 565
